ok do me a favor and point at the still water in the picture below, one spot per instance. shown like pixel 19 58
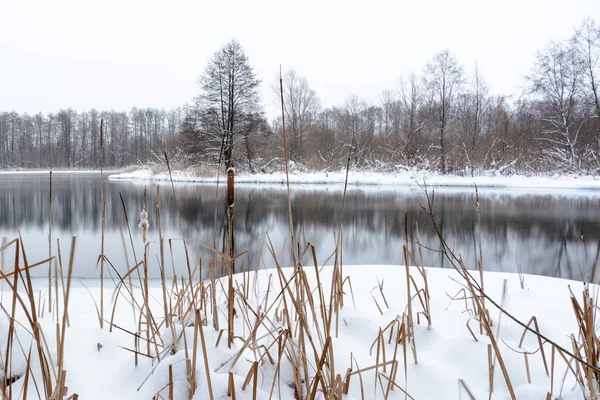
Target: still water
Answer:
pixel 539 231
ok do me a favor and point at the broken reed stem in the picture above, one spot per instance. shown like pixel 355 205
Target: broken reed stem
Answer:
pixel 533 320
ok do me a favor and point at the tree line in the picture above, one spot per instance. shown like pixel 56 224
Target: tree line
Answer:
pixel 71 139
pixel 440 118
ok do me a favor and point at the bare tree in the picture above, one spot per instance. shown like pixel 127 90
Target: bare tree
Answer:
pixel 390 107
pixel 556 83
pixel 301 106
pixel 474 114
pixel 411 100
pixel 228 100
pixel 327 142
pixel 587 46
pixel 66 122
pixel 352 124
pixel 443 79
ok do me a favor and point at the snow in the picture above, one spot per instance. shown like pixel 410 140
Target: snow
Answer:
pixel 446 351
pixel 404 178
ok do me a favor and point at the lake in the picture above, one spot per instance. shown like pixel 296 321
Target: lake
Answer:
pixel 540 231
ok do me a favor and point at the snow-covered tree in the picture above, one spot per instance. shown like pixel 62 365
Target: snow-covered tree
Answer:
pixel 556 84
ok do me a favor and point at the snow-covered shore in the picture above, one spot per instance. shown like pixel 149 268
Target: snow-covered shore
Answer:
pixel 404 178
pixel 99 366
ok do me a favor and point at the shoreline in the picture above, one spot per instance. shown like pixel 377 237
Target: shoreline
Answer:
pixel 403 179
pixel 363 178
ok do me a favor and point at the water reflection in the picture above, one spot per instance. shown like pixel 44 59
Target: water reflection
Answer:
pixel 541 232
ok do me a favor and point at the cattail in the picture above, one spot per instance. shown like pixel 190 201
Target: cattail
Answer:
pixel 144 224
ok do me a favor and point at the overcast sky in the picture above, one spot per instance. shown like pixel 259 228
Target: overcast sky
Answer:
pixel 116 54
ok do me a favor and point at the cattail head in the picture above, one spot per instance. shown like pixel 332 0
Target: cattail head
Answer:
pixel 144 225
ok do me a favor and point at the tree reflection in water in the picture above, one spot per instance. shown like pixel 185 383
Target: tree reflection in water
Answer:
pixel 540 231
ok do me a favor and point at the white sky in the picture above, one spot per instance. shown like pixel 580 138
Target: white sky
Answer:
pixel 116 54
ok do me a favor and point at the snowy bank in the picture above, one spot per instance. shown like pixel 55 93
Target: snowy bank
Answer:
pixel 101 365
pixel 405 178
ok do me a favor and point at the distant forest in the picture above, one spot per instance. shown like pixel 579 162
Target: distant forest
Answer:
pixel 438 119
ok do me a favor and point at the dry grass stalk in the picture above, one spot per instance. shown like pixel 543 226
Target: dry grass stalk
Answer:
pixel 230 292
pixel 287 177
pixel 170 381
pixel 65 313
pixel 146 295
pixel 11 325
pixel 103 205
pixel 527 368
pixel 161 243
pixel 480 258
pixel 409 321
pixel 490 370
pixel 552 370
pixel 423 293
pixel 469 327
pixel 577 350
pixel 192 370
pixel 462 385
pixel 394 384
pixel 486 323
pixel 33 321
pixel 318 376
pixel 205 356
pixel 231 386
pixel 103 258
pixel 281 345
pixel 584 314
pixel 350 373
pixel 50 249
pixel 533 320
pixel 185 248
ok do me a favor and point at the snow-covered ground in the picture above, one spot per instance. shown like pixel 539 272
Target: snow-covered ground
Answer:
pixel 99 366
pixel 404 178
